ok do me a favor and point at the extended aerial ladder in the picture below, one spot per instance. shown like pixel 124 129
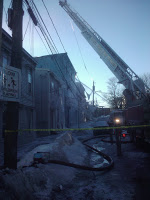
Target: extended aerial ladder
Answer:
pixel 134 85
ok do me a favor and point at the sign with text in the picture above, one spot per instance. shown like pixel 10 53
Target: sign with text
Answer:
pixel 10 84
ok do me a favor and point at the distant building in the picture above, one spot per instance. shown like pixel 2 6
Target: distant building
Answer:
pixel 101 111
pixel 27 97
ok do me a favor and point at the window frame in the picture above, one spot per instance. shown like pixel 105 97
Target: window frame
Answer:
pixel 29 80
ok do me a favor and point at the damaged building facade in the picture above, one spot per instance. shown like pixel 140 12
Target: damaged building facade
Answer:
pixel 66 96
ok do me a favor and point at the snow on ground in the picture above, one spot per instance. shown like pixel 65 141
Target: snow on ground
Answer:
pixel 51 181
pixel 38 181
pixel 64 148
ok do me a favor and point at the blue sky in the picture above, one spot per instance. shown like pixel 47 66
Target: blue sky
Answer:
pixel 123 24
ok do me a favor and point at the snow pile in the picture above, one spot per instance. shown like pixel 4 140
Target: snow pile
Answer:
pixel 65 148
pixel 32 183
pixel 22 185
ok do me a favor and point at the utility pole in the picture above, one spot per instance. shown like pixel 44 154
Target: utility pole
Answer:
pixel 12 111
pixel 1 17
pixel 93 92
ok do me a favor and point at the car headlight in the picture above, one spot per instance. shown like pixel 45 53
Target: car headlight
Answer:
pixel 117 121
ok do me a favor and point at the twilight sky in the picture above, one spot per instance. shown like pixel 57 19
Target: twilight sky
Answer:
pixel 123 24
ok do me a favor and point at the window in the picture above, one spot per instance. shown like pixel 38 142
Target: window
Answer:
pixel 5 61
pixel 29 81
pixel 52 85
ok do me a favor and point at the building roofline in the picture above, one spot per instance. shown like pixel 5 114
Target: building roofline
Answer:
pixel 50 55
pixel 60 54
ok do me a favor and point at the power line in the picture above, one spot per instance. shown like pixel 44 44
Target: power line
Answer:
pixel 79 48
pixel 54 46
pixel 61 70
pixel 44 35
pixel 92 90
pixel 26 28
pixel 54 26
pixel 52 53
pixel 37 21
pixel 41 39
pixel 42 31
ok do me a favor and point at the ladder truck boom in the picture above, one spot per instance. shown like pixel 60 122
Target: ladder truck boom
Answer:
pixel 118 67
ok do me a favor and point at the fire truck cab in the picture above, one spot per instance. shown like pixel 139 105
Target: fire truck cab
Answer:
pixel 117 117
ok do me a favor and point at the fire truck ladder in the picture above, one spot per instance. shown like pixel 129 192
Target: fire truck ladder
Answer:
pixel 119 68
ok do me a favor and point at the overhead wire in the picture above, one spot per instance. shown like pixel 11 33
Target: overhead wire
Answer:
pixel 92 90
pixel 83 84
pixel 74 82
pixel 65 79
pixel 41 39
pixel 54 46
pixel 26 28
pixel 79 48
pixel 57 63
pixel 49 44
pixel 55 30
pixel 44 35
pixel 46 49
pixel 64 76
pixel 60 39
pixel 54 26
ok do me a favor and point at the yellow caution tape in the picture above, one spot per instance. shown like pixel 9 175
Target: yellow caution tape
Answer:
pixel 76 129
